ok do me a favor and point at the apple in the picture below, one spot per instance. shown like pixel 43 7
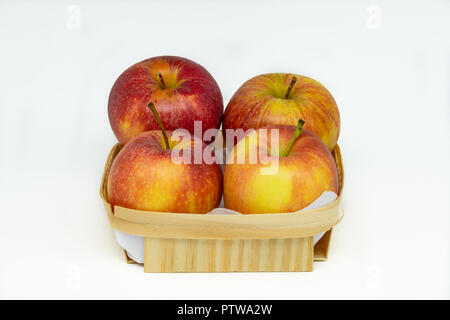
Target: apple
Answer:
pixel 283 98
pixel 144 176
pixel 182 91
pixel 305 170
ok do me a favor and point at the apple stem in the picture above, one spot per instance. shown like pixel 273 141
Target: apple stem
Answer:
pixel 297 133
pixel 163 84
pixel 291 85
pixel 161 126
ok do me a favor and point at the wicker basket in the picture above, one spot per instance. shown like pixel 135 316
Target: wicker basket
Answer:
pixel 176 242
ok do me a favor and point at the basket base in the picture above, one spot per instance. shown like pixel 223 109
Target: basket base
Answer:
pixel 181 255
pixel 283 255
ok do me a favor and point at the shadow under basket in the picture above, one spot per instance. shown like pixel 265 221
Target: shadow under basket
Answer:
pixel 177 242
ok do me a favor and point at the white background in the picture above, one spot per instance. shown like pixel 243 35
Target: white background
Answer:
pixel 387 65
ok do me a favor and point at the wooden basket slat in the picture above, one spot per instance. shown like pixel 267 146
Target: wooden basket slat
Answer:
pixel 188 255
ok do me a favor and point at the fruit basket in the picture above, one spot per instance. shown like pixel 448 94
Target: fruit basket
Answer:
pixel 175 242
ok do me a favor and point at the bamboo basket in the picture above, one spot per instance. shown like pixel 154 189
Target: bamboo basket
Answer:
pixel 175 242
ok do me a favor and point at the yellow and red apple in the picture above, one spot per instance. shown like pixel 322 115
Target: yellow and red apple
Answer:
pixel 305 170
pixel 182 91
pixel 145 175
pixel 283 98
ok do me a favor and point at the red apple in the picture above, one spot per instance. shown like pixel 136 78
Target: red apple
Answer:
pixel 283 98
pixel 305 169
pixel 144 175
pixel 182 91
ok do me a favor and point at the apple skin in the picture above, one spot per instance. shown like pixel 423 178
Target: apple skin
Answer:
pixel 302 176
pixel 190 94
pixel 144 177
pixel 261 102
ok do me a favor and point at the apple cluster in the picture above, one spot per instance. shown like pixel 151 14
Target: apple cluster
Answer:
pixel 153 99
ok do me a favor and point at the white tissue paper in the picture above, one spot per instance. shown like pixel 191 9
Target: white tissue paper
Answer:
pixel 134 245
